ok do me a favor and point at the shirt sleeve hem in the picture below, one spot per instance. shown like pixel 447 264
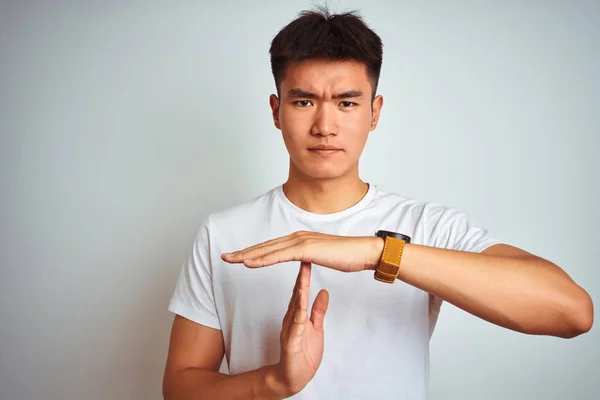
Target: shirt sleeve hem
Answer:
pixel 481 247
pixel 195 316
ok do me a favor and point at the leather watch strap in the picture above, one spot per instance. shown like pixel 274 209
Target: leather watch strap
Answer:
pixel 389 266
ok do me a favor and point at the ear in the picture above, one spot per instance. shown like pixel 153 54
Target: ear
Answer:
pixel 274 102
pixel 377 105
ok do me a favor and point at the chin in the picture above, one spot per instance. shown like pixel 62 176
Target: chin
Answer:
pixel 324 169
pixel 325 172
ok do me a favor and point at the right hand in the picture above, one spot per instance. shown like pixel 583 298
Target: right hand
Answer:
pixel 302 338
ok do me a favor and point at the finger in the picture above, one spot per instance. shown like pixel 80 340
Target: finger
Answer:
pixel 294 252
pixel 295 249
pixel 271 252
pixel 319 309
pixel 304 284
pixel 260 249
pixel 250 249
pixel 300 316
pixel 292 304
pixel 283 239
pixel 295 302
pixel 294 293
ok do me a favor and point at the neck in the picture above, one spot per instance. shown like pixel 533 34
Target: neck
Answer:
pixel 325 196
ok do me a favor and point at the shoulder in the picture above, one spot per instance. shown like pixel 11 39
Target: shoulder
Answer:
pixel 246 213
pixel 437 225
pixel 417 208
pixel 426 220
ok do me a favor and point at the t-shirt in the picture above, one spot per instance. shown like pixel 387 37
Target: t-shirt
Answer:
pixel 376 334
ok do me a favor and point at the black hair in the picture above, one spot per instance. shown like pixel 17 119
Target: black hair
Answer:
pixel 322 35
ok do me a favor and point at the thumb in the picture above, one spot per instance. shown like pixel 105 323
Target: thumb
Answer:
pixel 319 308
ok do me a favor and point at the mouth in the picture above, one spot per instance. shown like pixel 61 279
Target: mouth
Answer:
pixel 325 150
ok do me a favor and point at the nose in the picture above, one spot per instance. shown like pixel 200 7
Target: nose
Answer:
pixel 325 121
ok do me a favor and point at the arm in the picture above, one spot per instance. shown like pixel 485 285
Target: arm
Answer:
pixel 196 351
pixel 503 285
pixel 195 354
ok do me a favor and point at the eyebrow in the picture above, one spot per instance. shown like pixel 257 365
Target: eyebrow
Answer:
pixel 308 95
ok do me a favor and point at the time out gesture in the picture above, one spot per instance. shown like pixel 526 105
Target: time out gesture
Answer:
pixel 343 253
pixel 302 336
pixel 503 284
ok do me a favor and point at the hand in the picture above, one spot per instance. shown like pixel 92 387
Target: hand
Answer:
pixel 301 338
pixel 344 253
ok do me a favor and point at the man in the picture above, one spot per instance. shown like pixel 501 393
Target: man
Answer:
pixel 374 342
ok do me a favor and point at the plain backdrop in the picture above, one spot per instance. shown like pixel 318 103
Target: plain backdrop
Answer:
pixel 123 124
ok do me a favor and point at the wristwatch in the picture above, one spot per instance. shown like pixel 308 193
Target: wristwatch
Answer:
pixel 389 265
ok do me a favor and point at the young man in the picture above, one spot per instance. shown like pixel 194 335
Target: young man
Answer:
pixel 374 342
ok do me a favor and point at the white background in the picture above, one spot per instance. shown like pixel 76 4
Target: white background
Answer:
pixel 123 125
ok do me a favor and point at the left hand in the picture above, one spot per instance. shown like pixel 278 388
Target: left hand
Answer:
pixel 343 253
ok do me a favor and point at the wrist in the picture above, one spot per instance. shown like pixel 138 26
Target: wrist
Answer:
pixel 273 384
pixel 377 245
pixel 407 260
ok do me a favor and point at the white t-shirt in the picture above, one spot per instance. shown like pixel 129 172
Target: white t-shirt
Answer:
pixel 376 334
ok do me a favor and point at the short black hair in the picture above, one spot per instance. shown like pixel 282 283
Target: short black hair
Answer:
pixel 322 35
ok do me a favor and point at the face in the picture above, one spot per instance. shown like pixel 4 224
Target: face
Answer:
pixel 325 114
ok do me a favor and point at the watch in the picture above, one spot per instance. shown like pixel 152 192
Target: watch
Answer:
pixel 389 265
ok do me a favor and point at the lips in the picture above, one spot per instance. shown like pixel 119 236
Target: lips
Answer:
pixel 324 148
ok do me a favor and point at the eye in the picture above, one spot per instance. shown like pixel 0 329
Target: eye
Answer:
pixel 347 104
pixel 303 103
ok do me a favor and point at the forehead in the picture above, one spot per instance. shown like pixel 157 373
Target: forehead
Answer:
pixel 325 76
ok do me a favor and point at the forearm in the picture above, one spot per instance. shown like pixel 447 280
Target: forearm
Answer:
pixel 525 294
pixel 196 384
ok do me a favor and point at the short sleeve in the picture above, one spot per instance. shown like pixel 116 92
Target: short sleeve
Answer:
pixel 449 228
pixel 193 297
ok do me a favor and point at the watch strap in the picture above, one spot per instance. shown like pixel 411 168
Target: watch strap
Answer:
pixel 389 265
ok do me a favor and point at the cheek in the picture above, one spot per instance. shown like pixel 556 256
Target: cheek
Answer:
pixel 356 127
pixel 292 137
pixel 294 126
pixel 291 117
pixel 356 120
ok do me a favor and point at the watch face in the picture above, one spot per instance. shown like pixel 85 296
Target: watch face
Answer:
pixel 383 234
